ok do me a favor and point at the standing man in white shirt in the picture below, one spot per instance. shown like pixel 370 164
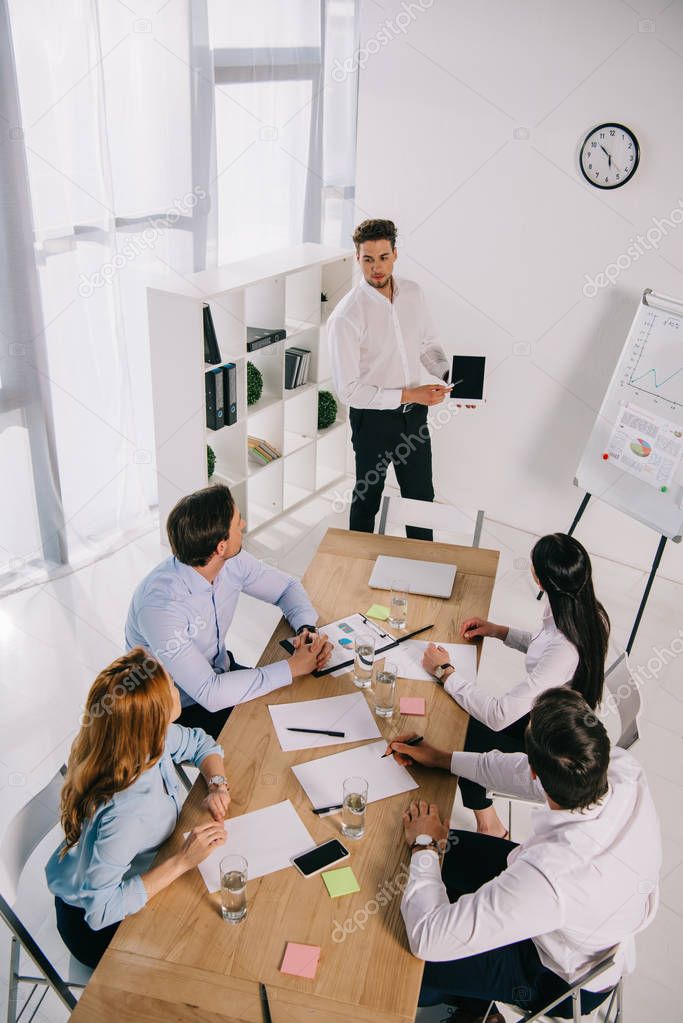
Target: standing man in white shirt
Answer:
pixel 379 334
pixel 523 922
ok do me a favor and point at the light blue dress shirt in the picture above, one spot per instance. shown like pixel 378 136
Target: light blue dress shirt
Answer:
pixel 101 873
pixel 183 620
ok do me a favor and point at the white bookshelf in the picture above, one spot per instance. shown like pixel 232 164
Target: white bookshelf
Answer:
pixel 279 289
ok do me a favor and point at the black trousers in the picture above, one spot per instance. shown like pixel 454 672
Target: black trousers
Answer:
pixel 196 716
pixel 513 973
pixel 480 739
pixel 85 944
pixel 382 437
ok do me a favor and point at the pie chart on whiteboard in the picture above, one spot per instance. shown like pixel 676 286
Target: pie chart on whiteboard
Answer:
pixel 641 447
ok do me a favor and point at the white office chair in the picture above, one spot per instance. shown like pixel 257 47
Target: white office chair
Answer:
pixel 23 836
pixel 615 1000
pixel 622 696
pixel 403 511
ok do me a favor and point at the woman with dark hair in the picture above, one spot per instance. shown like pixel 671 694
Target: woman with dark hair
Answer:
pixel 569 649
pixel 121 801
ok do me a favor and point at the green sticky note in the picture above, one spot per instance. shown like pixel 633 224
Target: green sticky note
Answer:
pixel 379 612
pixel 340 882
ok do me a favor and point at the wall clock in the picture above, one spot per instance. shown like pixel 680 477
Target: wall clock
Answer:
pixel 609 155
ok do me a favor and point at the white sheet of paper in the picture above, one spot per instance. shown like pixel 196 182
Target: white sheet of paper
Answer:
pixel 323 779
pixel 408 657
pixel 349 714
pixel 267 838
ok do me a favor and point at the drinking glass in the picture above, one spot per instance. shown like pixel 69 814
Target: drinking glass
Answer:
pixel 233 888
pixel 398 609
pixel 364 659
pixel 353 811
pixel 385 689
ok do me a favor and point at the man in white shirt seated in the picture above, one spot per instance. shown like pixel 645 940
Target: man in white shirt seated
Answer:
pixel 379 334
pixel 523 922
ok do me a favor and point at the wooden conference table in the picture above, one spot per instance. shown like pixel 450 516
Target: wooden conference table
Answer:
pixel 178 961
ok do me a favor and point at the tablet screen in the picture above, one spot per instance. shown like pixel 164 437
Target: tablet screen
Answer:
pixel 467 377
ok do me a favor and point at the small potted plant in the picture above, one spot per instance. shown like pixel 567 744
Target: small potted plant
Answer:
pixel 254 384
pixel 327 410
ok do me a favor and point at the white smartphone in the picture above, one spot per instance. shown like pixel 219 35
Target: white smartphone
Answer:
pixel 320 857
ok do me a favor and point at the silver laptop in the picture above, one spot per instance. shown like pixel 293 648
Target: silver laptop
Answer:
pixel 430 578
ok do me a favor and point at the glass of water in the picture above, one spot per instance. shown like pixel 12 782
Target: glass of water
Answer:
pixel 233 888
pixel 353 811
pixel 385 689
pixel 364 659
pixel 398 609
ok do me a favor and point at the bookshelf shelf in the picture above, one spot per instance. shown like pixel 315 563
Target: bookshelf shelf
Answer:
pixel 272 291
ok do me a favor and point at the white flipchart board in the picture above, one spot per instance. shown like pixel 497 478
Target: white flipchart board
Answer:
pixel 649 380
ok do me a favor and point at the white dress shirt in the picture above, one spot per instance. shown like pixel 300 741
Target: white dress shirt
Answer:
pixel 376 346
pixel 551 660
pixel 580 887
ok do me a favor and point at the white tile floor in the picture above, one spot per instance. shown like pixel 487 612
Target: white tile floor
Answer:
pixel 54 639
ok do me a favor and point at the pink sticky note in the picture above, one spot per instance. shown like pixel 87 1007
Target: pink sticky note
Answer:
pixel 300 960
pixel 412 705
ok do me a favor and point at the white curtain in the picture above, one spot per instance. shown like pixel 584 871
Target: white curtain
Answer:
pixel 107 98
pixel 285 122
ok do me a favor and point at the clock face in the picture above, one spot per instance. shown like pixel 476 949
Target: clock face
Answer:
pixel 609 155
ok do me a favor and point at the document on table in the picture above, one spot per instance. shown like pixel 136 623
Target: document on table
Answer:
pixel 267 838
pixel 408 657
pixel 323 779
pixel 349 714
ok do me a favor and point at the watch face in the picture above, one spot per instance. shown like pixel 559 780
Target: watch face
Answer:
pixel 424 840
pixel 609 156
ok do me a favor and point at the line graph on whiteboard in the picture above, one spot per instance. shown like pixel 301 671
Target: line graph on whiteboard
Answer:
pixel 655 363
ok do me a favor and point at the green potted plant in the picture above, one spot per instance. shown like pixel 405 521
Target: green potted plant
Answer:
pixel 327 410
pixel 210 460
pixel 254 384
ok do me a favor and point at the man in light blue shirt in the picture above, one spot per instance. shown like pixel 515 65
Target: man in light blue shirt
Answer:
pixel 183 609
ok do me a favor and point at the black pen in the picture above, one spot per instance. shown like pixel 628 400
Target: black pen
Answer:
pixel 318 731
pixel 322 810
pixel 409 742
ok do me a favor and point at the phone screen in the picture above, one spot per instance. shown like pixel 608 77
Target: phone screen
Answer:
pixel 467 377
pixel 322 856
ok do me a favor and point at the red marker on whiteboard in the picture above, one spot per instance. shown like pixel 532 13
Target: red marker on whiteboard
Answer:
pixel 605 456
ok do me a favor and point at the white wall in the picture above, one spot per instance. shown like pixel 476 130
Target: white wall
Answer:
pixel 500 229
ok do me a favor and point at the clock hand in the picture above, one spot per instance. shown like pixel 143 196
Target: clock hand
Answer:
pixel 609 158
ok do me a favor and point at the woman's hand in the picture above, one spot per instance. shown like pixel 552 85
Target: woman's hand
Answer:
pixel 475 627
pixel 217 802
pixel 433 656
pixel 201 841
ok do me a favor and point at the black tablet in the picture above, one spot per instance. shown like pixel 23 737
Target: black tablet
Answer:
pixel 467 377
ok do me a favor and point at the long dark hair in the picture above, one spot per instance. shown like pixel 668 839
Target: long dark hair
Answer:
pixel 564 572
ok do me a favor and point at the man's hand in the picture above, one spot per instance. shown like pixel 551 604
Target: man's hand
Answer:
pixel 217 802
pixel 423 819
pixel 427 394
pixel 426 756
pixel 325 652
pixel 308 648
pixel 434 656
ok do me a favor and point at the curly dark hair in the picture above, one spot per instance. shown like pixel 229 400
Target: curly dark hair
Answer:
pixel 373 231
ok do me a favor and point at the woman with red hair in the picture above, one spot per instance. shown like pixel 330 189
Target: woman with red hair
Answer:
pixel 120 802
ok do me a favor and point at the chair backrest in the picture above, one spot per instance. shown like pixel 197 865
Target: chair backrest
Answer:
pixel 405 511
pixel 26 831
pixel 623 695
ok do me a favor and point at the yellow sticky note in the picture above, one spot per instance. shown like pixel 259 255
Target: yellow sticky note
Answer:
pixel 379 612
pixel 341 881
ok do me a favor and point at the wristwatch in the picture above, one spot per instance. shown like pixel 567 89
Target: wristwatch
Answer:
pixel 425 842
pixel 303 628
pixel 438 671
pixel 218 780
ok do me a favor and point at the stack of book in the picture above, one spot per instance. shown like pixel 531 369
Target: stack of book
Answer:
pixel 296 367
pixel 261 452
